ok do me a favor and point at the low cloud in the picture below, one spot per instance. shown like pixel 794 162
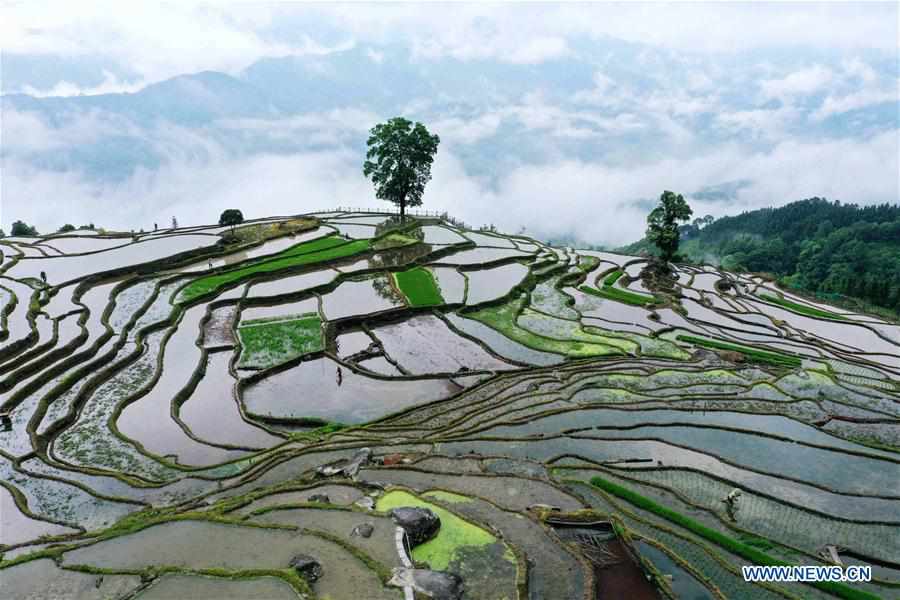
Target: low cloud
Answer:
pixel 591 201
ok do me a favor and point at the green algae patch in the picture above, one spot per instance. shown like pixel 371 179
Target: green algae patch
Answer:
pixel 419 287
pixel 503 319
pixel 307 253
pixel 268 342
pixel 455 537
pixel 448 497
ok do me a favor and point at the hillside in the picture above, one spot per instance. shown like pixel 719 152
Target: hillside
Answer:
pixel 834 251
pixel 265 411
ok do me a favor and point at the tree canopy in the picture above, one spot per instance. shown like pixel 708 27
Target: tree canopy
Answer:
pixel 231 216
pixel 23 228
pixel 662 223
pixel 399 161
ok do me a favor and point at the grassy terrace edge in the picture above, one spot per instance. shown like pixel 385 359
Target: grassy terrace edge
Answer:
pixel 305 253
pixel 757 557
pixel 803 309
pixel 773 358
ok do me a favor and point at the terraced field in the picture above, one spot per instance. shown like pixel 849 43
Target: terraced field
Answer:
pixel 199 413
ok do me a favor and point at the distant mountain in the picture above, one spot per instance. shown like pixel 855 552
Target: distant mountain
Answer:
pixel 825 248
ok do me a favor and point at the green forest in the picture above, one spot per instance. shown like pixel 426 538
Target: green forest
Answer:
pixel 839 252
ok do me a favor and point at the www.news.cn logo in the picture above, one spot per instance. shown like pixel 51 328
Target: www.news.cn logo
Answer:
pixel 850 574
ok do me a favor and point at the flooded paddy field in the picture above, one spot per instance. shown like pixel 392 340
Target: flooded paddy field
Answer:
pixel 352 407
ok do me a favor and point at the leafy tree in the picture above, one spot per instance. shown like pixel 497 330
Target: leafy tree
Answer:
pixel 23 228
pixel 231 216
pixel 2 234
pixel 399 161
pixel 662 223
pixel 66 228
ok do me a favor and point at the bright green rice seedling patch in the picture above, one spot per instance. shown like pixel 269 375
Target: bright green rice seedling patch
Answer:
pixel 419 287
pixel 746 551
pixel 455 533
pixel 268 342
pixel 773 358
pixel 619 295
pixel 802 308
pixel 307 253
pixel 613 277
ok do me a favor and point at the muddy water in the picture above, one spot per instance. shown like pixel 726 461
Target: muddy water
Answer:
pixel 17 527
pixel 292 284
pixel 502 345
pixel 301 307
pixel 205 545
pixel 67 268
pixel 352 342
pixel 424 344
pixel 451 283
pixel 490 284
pixel 212 413
pixel 196 587
pixel 43 580
pixel 682 582
pixel 148 419
pixel 353 298
pixel 435 234
pixel 311 390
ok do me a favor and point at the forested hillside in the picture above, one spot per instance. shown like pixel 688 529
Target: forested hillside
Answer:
pixel 826 248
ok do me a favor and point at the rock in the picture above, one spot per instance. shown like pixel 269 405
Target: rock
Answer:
pixel 363 530
pixel 306 566
pixel 420 524
pixel 321 498
pixel 366 502
pixel 439 585
pixel 328 470
pixel 361 457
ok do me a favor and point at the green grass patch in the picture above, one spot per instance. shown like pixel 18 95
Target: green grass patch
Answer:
pixel 455 533
pixel 419 287
pixel 613 277
pixel 809 311
pixel 746 551
pixel 773 358
pixel 619 295
pixel 268 342
pixel 306 253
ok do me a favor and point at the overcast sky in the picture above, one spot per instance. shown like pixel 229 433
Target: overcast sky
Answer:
pixel 565 120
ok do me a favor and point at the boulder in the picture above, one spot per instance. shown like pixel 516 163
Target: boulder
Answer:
pixel 420 524
pixel 438 585
pixel 363 530
pixel 321 498
pixel 306 566
pixel 360 458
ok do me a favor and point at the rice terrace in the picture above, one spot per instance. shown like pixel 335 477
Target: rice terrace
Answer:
pixel 264 411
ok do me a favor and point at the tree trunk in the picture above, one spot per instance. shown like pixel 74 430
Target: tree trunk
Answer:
pixel 403 209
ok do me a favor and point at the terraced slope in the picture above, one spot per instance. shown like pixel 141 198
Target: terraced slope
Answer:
pixel 191 409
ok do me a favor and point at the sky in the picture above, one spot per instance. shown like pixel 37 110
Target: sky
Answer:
pixel 563 121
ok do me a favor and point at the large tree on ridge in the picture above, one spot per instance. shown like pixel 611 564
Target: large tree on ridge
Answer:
pixel 399 161
pixel 662 223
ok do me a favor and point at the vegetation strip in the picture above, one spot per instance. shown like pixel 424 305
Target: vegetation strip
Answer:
pixel 773 358
pixel 802 308
pixel 743 550
pixel 307 253
pixel 619 295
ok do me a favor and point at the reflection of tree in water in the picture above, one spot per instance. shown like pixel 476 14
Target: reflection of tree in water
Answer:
pixel 382 286
pixel 396 257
